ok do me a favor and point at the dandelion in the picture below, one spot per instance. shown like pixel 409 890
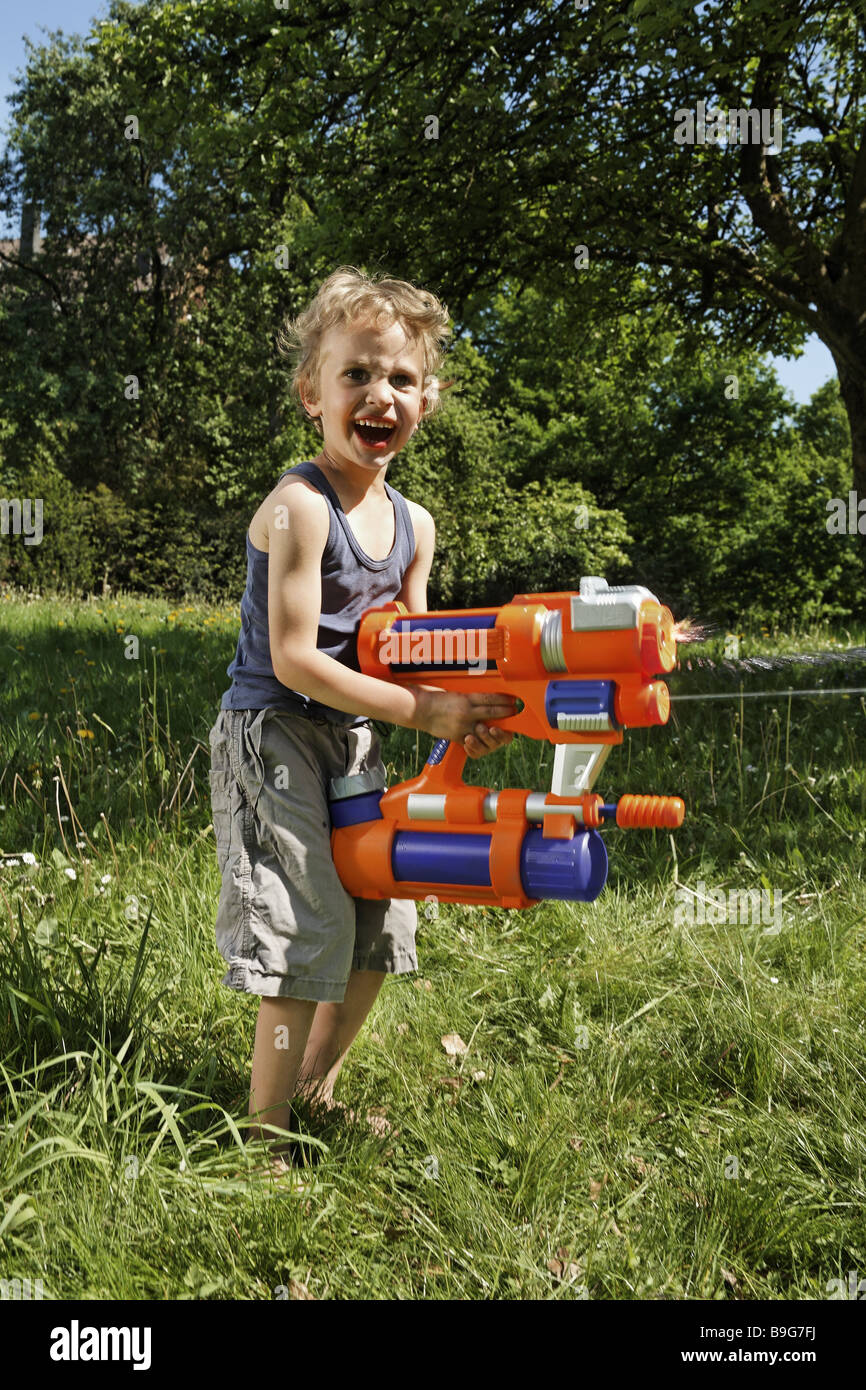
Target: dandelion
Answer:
pixel 70 873
pixel 79 651
pixel 19 649
pixel 84 733
pixel 34 715
pixel 91 663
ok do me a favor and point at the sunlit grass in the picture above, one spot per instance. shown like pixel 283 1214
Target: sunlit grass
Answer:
pixel 647 1106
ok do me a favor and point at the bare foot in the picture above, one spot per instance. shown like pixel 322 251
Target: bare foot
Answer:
pixel 335 1109
pixel 279 1168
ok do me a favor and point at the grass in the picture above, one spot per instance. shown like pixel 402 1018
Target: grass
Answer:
pixel 647 1107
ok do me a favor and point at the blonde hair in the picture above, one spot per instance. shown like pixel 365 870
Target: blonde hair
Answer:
pixel 349 295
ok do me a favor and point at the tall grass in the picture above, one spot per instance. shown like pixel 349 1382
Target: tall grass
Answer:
pixel 647 1107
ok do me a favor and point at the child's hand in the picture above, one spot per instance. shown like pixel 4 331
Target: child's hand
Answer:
pixel 486 740
pixel 466 719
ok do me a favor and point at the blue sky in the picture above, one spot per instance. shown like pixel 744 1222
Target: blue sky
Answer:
pixel 801 377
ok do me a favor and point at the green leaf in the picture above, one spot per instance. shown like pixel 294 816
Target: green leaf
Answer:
pixel 47 932
pixel 17 1214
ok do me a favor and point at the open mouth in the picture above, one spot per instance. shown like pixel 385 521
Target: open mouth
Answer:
pixel 375 436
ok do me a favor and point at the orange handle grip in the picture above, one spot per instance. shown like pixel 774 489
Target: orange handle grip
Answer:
pixel 650 812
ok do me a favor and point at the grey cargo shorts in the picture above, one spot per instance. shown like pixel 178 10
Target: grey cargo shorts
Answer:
pixel 285 924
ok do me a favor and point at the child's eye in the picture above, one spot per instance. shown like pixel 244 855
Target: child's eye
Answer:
pixel 400 376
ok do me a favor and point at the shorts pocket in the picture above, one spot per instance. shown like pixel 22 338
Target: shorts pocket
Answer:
pixel 221 807
pixel 252 764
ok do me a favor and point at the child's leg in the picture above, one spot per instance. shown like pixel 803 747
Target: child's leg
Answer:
pixel 334 1028
pixel 282 1030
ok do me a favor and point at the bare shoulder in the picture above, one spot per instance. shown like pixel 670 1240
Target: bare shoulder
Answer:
pixel 293 503
pixel 422 522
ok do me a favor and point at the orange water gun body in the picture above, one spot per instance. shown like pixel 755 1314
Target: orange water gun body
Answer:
pixel 585 667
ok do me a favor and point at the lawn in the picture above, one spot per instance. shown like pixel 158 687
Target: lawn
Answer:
pixel 644 1102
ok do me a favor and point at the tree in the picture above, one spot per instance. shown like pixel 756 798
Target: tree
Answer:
pixel 464 147
pixel 557 127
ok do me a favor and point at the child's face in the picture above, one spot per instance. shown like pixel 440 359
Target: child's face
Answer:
pixel 367 373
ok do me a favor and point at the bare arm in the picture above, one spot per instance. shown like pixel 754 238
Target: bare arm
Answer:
pixel 294 608
pixel 414 590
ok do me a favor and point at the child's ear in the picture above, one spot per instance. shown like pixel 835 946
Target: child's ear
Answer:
pixel 308 401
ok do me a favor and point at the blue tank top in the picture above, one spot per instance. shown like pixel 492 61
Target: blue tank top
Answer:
pixel 351 582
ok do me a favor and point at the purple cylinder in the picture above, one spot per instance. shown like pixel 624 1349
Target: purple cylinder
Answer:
pixel 572 870
pixel 422 856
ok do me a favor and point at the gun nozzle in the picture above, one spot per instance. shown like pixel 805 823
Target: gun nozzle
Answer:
pixel 658 640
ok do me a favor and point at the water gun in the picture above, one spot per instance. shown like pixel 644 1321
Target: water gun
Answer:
pixel 584 667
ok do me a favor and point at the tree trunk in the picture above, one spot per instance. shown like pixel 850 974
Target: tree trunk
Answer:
pixel 852 386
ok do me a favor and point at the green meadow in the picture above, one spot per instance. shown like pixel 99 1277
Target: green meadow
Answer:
pixel 639 1104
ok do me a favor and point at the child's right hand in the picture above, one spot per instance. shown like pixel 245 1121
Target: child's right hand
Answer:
pixel 446 714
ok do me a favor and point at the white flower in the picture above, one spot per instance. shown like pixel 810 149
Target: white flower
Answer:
pixel 70 873
pixel 130 908
pixel 11 863
pixel 106 878
pixel 774 980
pixel 28 858
pixel 182 1165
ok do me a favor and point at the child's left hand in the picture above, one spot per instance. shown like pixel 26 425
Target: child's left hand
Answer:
pixel 486 739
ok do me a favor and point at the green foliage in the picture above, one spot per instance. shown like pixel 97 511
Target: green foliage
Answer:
pixel 591 431
pixel 497 536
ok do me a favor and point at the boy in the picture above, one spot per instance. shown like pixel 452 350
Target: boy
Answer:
pixel 331 539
